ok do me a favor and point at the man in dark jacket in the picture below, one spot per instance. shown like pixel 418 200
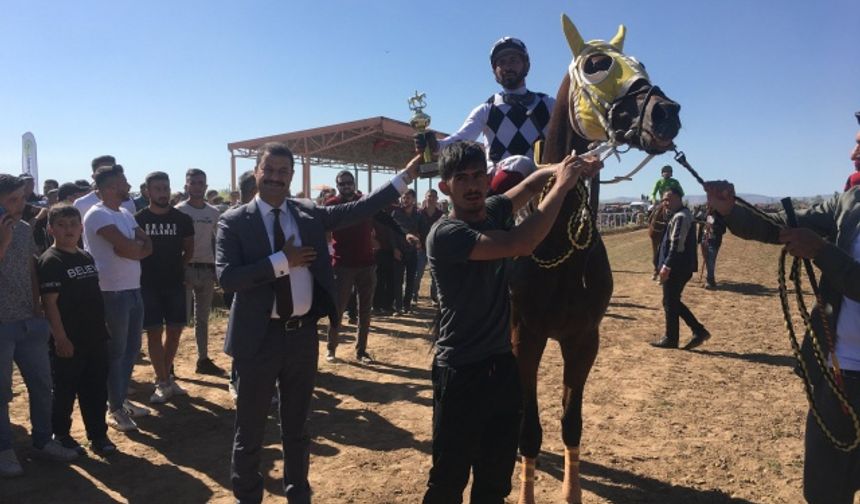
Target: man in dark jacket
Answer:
pixel 676 264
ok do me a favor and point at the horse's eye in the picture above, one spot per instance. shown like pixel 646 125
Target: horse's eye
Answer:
pixel 597 67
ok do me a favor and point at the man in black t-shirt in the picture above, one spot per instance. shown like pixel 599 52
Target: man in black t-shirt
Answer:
pixel 69 285
pixel 476 387
pixel 162 281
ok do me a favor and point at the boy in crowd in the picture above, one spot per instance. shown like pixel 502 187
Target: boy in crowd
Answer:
pixel 69 284
pixel 162 281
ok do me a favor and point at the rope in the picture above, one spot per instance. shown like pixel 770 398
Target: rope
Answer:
pixel 833 376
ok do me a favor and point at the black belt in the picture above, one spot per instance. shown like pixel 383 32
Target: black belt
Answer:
pixel 202 265
pixel 292 323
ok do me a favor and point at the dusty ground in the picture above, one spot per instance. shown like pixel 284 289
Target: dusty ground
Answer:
pixel 722 424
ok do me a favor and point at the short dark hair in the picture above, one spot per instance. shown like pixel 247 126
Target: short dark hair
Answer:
pixel 275 149
pixel 61 210
pixel 9 183
pixel 666 168
pixel 52 182
pixel 69 189
pixel 104 174
pixel 247 183
pixel 410 192
pixel 673 190
pixel 106 160
pixel 156 175
pixel 458 156
pixel 344 173
pixel 193 172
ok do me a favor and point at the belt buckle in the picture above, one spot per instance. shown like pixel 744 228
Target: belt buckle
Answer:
pixel 292 324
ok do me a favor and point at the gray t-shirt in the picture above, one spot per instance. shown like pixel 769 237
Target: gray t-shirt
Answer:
pixel 473 295
pixel 205 223
pixel 16 287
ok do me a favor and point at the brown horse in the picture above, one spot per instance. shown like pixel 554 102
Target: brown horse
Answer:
pixel 657 222
pixel 563 290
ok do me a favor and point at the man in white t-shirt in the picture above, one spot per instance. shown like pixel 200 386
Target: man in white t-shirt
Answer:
pixel 85 202
pixel 200 271
pixel 117 245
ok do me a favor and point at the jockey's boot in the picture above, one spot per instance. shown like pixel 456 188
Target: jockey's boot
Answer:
pixel 527 481
pixel 571 491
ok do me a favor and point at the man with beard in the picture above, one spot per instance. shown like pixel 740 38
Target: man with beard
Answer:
pixel 85 202
pixel 511 120
pixel 411 222
pixel 200 271
pixel 354 267
pixel 117 245
pixel 162 281
pixel 273 254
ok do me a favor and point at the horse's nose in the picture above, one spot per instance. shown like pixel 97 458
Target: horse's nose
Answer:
pixel 665 118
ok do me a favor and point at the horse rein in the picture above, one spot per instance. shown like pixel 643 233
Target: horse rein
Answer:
pixel 833 376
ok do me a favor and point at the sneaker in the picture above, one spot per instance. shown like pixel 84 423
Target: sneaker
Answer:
pixel 133 410
pixel 207 367
pixel 176 389
pixel 163 392
pixel 352 320
pixel 364 358
pixel 329 356
pixel 103 447
pixel 55 451
pixel 9 465
pixel 120 421
pixel 71 443
pixel 234 394
pixel 699 337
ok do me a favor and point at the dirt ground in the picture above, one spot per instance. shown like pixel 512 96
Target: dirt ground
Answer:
pixel 723 423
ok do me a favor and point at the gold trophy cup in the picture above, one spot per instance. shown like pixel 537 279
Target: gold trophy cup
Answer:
pixel 421 121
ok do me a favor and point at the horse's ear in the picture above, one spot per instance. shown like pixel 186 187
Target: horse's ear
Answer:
pixel 574 39
pixel 618 40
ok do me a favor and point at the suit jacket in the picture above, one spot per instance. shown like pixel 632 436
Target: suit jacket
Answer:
pixel 242 262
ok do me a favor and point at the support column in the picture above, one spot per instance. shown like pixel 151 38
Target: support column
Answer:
pixel 306 176
pixel 232 170
pixel 369 178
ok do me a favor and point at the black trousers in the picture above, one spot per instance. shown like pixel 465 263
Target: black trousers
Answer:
pixel 383 296
pixel 674 308
pixel 290 359
pixel 476 418
pixel 83 376
pixel 405 280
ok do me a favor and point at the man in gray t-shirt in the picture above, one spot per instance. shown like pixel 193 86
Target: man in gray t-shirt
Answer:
pixel 24 332
pixel 476 387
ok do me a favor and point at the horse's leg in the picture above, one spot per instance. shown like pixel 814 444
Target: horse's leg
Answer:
pixel 579 354
pixel 528 348
pixel 655 250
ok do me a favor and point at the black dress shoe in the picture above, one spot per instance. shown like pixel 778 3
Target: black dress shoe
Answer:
pixel 666 342
pixel 698 338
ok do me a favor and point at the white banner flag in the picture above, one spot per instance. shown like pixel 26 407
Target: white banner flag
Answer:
pixel 29 163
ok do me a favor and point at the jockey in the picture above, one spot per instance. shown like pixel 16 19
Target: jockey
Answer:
pixel 511 120
pixel 665 182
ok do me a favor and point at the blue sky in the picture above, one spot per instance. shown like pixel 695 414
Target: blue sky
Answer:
pixel 767 88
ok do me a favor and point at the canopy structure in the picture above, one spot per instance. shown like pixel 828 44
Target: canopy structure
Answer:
pixel 377 144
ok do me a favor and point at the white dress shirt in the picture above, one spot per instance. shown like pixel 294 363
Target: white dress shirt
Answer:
pixel 301 280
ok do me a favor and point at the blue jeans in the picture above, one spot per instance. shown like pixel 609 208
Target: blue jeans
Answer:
pixel 124 319
pixel 26 343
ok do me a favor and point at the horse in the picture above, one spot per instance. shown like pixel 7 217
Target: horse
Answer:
pixel 657 222
pixel 563 290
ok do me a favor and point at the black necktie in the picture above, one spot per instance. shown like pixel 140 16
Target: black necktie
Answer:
pixel 283 290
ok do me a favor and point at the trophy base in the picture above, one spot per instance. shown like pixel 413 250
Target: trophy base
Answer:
pixel 428 170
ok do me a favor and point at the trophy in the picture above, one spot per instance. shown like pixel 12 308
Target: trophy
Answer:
pixel 420 121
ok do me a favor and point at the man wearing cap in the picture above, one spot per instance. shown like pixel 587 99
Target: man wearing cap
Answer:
pixel 665 182
pixel 511 120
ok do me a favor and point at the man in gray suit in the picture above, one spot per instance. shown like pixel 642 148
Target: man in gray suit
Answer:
pixel 272 253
